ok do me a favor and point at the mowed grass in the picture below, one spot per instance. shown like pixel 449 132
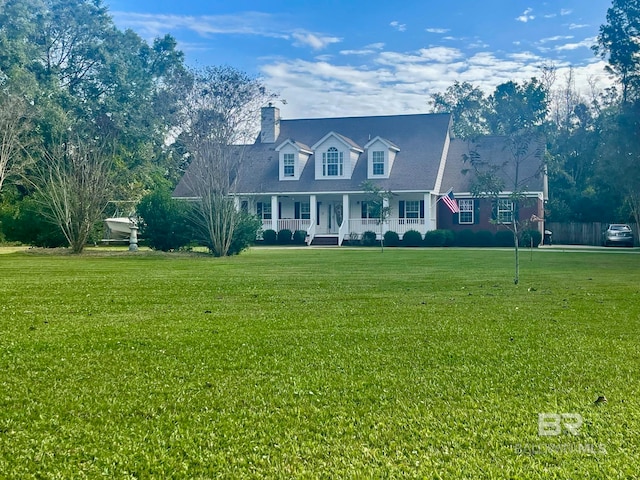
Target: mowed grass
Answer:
pixel 329 363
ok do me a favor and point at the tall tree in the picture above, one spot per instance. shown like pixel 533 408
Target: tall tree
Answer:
pixel 467 105
pixel 220 114
pixel 619 44
pixel 619 156
pixel 15 135
pixel 83 68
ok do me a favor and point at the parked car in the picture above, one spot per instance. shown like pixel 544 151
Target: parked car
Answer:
pixel 618 234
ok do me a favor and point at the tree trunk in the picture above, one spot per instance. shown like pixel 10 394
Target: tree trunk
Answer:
pixel 516 277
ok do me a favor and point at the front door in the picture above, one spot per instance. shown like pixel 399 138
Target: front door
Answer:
pixel 327 222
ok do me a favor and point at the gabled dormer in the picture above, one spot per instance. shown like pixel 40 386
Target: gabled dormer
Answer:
pixel 381 154
pixel 335 157
pixel 293 157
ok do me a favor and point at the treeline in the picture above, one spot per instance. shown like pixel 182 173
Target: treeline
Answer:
pixel 90 114
pixel 593 138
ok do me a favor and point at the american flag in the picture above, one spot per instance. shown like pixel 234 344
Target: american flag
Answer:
pixel 450 201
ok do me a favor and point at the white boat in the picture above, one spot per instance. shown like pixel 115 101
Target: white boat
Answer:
pixel 119 227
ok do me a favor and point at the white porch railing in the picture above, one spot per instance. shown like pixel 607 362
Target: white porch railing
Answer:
pixel 403 225
pixel 398 225
pixel 293 224
pixel 353 226
pixel 290 223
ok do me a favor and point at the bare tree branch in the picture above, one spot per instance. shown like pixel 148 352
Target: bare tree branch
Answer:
pixel 74 181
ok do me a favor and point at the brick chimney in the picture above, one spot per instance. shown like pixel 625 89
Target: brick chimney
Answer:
pixel 269 124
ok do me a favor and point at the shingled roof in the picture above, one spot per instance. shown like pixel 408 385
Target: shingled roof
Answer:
pixel 494 150
pixel 421 140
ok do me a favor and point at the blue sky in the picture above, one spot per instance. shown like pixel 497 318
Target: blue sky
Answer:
pixel 349 58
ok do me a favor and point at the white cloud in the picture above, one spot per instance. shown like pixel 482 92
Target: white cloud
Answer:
pixel 526 16
pixel 586 43
pixel 363 51
pixel 313 40
pixel 246 23
pixel 574 26
pixel 566 11
pixel 401 27
pixel 478 44
pixel 437 30
pixel 366 50
pixel 154 25
pixel 555 38
pixel 401 82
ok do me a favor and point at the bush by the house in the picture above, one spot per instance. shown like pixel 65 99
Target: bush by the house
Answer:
pixel 270 237
pixel 465 238
pixel 391 239
pixel 299 237
pixel 164 226
pixel 24 221
pixel 484 238
pixel 504 238
pixel 528 237
pixel 438 238
pixel 244 234
pixel 412 238
pixel 284 236
pixel 368 238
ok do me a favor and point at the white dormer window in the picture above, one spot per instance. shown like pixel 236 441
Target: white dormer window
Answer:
pixel 335 157
pixel 380 157
pixel 292 158
pixel 289 165
pixel 378 162
pixel 332 163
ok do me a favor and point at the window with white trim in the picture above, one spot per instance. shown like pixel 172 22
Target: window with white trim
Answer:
pixel 412 209
pixel 305 210
pixel 332 163
pixel 370 210
pixel 264 210
pixel 288 165
pixel 466 211
pixel 505 210
pixel 377 161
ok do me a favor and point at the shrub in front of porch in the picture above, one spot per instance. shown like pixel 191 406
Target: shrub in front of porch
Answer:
pixel 484 238
pixel 270 237
pixel 530 237
pixel 465 238
pixel 412 238
pixel 299 237
pixel 391 239
pixel 504 238
pixel 438 238
pixel 284 236
pixel 369 238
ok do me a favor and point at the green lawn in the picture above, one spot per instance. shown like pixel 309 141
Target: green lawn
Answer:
pixel 328 363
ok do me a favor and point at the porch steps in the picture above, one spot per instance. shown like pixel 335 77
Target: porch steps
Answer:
pixel 325 241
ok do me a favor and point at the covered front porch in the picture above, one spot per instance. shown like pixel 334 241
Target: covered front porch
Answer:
pixel 344 216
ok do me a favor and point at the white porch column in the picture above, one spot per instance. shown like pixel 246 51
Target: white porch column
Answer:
pixel 236 203
pixel 313 210
pixel 345 211
pixel 427 213
pixel 274 212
